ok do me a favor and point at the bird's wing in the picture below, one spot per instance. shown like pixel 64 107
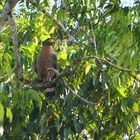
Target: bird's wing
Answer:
pixel 35 65
pixel 55 62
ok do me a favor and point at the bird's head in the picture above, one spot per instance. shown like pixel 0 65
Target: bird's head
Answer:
pixel 48 42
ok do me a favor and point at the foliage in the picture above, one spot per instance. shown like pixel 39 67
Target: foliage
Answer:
pixel 115 113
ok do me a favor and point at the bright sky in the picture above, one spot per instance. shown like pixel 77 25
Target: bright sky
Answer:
pixel 127 2
pixel 123 2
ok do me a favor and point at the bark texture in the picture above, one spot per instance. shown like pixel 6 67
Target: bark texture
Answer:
pixel 7 9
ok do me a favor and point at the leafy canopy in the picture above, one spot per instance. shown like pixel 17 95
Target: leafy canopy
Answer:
pixel 110 81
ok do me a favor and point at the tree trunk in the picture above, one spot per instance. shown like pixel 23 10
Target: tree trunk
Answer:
pixel 8 7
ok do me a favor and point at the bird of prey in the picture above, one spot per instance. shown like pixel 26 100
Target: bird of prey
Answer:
pixel 47 59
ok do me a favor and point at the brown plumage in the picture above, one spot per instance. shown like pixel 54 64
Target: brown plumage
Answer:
pixel 47 59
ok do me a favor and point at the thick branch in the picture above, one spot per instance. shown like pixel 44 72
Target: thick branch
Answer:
pixel 8 7
pixel 15 43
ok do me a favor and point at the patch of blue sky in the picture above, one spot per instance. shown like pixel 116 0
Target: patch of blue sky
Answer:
pixel 125 3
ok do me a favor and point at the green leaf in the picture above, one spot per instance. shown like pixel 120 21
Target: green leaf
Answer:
pixel 136 107
pixel 46 3
pixel 9 114
pixel 122 58
pixel 1 112
pixel 37 98
pixel 66 132
pixel 136 137
pixel 87 69
pixel 77 126
pixel 121 91
pixel 102 2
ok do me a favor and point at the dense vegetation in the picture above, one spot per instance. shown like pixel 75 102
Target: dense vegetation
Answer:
pixel 98 50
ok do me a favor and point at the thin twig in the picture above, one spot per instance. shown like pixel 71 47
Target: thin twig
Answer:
pixel 69 37
pixel 8 73
pixel 135 77
pixel 74 93
pixel 91 40
pixel 56 22
pixel 115 66
pixel 104 61
pixel 95 44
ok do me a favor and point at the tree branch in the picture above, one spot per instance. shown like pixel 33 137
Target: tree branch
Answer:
pixel 8 73
pixel 103 61
pixel 135 77
pixel 37 85
pixel 8 7
pixel 18 69
pixel 15 43
pixel 56 22
pixel 70 38
pixel 70 89
pixel 59 75
pixel 73 15
pixel 76 62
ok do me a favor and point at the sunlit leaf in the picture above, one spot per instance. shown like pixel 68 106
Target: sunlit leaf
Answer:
pixel 1 112
pixel 9 114
pixel 122 91
pixel 87 69
pixel 136 107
